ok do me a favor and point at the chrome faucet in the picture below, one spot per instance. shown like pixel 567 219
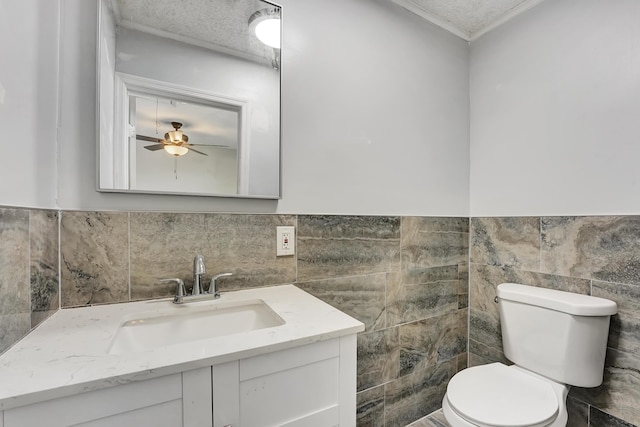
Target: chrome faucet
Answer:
pixel 198 270
pixel 213 285
pixel 197 294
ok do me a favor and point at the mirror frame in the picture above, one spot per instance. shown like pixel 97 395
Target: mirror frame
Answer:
pixel 124 82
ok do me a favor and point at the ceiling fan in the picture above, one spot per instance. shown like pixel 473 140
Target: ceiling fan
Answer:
pixel 175 142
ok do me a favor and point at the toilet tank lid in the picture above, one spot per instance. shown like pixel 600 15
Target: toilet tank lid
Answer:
pixel 567 302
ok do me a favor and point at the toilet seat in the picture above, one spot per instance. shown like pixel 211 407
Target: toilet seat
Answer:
pixel 496 395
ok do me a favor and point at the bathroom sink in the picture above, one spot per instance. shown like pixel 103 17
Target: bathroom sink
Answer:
pixel 191 322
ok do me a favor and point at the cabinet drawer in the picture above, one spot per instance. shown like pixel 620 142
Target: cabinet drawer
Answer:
pixel 97 404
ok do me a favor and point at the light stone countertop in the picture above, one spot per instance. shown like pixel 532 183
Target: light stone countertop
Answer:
pixel 68 353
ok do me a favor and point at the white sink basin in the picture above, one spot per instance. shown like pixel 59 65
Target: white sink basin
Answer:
pixel 191 322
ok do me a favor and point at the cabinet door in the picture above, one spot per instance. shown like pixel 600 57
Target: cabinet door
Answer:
pixel 196 398
pixel 295 387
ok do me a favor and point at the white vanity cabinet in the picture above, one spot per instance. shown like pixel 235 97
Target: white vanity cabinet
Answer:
pixel 312 385
pixel 308 386
pixel 182 399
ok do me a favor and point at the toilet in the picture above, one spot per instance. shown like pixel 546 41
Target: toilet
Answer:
pixel 555 340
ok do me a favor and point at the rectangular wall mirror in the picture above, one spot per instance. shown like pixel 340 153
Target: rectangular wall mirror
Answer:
pixel 189 97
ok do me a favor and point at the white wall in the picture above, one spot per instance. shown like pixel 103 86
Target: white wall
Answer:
pixel 375 116
pixel 28 102
pixel 375 111
pixel 555 112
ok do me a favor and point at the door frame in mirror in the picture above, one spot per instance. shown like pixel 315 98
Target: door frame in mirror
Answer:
pixel 123 132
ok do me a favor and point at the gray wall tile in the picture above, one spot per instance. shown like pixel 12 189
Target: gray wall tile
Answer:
pixel 163 245
pixel 331 246
pixel 44 256
pixel 410 302
pixel 14 262
pixel 603 248
pixel 370 407
pixel 578 413
pixel 94 258
pixel 425 243
pixel 428 342
pixel 509 242
pixel 378 358
pixel 15 292
pixel 418 394
pixel 362 297
pixel 14 327
pixel 624 331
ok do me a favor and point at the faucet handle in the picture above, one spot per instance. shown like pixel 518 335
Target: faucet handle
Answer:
pixel 180 291
pixel 213 287
pixel 198 265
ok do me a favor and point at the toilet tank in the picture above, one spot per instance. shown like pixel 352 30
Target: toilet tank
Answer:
pixel 560 335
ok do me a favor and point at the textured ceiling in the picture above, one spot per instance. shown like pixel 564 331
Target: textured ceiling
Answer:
pixel 468 19
pixel 222 27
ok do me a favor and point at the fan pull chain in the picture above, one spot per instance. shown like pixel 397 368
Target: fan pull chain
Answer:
pixel 156 116
pixel 175 167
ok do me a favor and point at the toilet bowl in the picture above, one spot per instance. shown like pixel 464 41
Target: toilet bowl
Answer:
pixel 497 395
pixel 555 339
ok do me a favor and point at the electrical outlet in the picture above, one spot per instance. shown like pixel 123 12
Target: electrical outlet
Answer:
pixel 285 241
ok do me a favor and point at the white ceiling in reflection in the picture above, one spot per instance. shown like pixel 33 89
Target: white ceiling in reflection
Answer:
pixel 222 25
pixel 205 125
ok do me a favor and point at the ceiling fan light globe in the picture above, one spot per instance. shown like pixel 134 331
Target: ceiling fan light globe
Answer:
pixel 176 150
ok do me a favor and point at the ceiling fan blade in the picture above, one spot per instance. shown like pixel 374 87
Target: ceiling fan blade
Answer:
pixel 154 147
pixel 148 138
pixel 199 152
pixel 207 145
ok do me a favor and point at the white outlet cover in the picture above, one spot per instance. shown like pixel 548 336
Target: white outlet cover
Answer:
pixel 288 247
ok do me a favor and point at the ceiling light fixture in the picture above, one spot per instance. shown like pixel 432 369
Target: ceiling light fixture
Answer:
pixel 176 150
pixel 265 23
pixel 175 138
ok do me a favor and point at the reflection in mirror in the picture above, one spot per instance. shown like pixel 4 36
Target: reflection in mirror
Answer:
pixel 217 174
pixel 189 99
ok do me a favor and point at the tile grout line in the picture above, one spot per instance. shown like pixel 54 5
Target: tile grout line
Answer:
pixel 29 269
pixel 59 260
pixel 540 245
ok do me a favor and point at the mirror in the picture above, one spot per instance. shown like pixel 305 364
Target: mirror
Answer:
pixel 189 97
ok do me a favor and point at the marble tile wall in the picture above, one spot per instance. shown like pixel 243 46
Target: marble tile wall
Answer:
pixel 599 256
pixel 405 278
pixel 111 257
pixel 28 271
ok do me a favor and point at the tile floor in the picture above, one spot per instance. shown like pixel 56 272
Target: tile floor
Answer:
pixel 435 419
